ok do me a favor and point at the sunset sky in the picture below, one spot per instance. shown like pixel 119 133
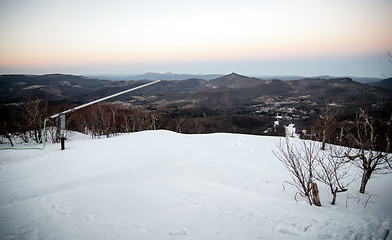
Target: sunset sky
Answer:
pixel 251 37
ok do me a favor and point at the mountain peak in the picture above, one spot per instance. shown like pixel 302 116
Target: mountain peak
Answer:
pixel 235 74
pixel 234 80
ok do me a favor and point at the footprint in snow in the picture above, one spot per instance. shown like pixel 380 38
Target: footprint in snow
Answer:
pixel 286 231
pixel 325 236
pixel 109 223
pixel 24 232
pixel 60 210
pixel 144 228
pixel 89 217
pixel 179 232
pixel 8 236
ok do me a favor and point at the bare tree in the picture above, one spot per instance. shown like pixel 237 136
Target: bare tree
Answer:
pixel 328 124
pixel 102 119
pixel 53 131
pixel 299 158
pixel 198 126
pixel 34 112
pixel 333 171
pixel 127 121
pixel 179 125
pixel 114 124
pixel 371 146
pixel 324 127
pixel 388 149
pixel 5 131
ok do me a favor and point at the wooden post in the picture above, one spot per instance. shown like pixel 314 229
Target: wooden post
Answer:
pixel 316 197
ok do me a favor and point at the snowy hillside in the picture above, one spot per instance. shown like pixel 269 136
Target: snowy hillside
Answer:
pixel 164 185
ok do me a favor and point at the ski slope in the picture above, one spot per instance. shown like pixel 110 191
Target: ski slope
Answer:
pixel 165 185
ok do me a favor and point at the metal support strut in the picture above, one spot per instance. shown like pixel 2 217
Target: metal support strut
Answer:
pixel 62 114
pixel 62 131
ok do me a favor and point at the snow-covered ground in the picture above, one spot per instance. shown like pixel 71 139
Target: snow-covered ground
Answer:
pixel 164 185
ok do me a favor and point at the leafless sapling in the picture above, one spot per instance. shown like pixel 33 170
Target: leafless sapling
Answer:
pixel 370 149
pixel 34 112
pixel 299 158
pixel 327 125
pixel 333 171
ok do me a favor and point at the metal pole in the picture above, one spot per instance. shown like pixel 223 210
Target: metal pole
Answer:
pixel 104 98
pixel 62 114
pixel 62 131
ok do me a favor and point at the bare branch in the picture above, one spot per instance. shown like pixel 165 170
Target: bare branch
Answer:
pixel 299 158
pixel 370 151
pixel 333 171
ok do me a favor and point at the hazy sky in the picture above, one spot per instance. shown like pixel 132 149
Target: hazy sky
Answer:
pixel 253 37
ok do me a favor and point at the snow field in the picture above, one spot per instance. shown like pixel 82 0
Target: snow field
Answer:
pixel 164 185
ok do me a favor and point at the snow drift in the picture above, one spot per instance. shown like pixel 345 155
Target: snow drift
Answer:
pixel 164 185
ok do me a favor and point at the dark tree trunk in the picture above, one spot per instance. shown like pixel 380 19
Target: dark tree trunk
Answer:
pixel 333 197
pixel 365 178
pixel 316 197
pixel 324 139
pixel 10 139
pixel 309 199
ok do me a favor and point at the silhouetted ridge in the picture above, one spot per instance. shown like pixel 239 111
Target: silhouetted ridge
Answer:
pixel 234 80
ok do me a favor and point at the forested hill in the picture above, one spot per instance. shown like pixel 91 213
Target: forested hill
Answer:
pixel 230 103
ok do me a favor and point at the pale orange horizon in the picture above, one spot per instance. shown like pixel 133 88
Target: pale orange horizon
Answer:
pixel 40 34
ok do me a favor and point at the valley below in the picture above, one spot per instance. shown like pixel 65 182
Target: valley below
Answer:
pixel 231 103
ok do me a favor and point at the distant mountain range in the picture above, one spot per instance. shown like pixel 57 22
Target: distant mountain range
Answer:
pixel 151 76
pixel 229 103
pixel 386 84
pixel 233 88
pixel 154 76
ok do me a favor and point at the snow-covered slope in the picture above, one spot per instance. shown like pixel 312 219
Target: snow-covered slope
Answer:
pixel 164 185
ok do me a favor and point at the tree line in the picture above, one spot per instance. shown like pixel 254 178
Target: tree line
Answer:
pixel 26 120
